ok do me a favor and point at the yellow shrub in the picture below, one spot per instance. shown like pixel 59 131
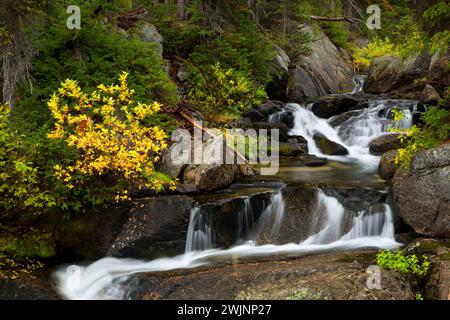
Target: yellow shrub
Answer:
pixel 106 128
pixel 362 57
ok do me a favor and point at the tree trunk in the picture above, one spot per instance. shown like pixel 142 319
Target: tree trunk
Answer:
pixel 181 4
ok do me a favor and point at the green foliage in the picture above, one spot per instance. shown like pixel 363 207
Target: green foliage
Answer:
pixel 363 57
pixel 222 94
pixel 409 265
pixel 418 296
pixel 438 13
pixel 436 129
pixel 337 33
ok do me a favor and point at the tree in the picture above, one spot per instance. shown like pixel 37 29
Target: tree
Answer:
pixel 17 49
pixel 181 4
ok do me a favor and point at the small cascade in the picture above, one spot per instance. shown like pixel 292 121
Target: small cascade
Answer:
pixel 359 81
pixel 250 222
pixel 108 278
pixel 375 222
pixel 199 236
pixel 357 132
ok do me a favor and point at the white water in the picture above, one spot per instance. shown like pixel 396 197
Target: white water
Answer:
pixel 105 278
pixel 356 133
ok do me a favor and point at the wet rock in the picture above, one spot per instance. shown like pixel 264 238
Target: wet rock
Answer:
pixel 324 71
pixel 270 107
pixel 333 105
pixel 254 115
pixel 303 143
pixel 290 148
pixel 386 143
pixel 313 161
pixel 422 194
pixel 429 95
pixel 356 199
pixel 329 147
pixel 155 227
pixel 340 276
pixel 25 288
pixel 283 130
pixel 387 166
pixel 210 177
pixel 340 119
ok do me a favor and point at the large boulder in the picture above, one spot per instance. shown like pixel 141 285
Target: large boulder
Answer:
pixel 210 177
pixel 390 72
pixel 276 89
pixel 270 107
pixel 324 71
pixel 329 147
pixel 327 107
pixel 386 143
pixel 387 166
pixel 422 194
pixel 155 227
pixel 291 148
pixel 429 95
pixel 148 33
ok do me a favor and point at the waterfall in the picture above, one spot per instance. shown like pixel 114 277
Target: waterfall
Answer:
pixel 355 133
pixel 199 235
pixel 107 278
pixel 201 231
pixel 359 81
pixel 375 222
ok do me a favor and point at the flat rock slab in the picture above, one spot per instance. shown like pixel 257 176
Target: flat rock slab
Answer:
pixel 327 276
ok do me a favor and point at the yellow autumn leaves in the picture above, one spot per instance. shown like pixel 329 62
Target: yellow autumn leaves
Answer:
pixel 106 128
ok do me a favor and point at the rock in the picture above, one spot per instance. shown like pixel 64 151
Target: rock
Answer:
pixel 329 147
pixel 281 127
pixel 429 95
pixel 88 236
pixel 303 143
pixel 168 167
pixel 386 143
pixel 182 73
pixel 148 33
pixel 270 107
pixel 155 227
pixel 276 89
pixel 313 161
pixel 210 177
pixel 340 119
pixel 323 72
pixel 387 166
pixel 254 115
pixel 327 107
pixel 283 117
pixel 356 199
pixel 389 72
pixel 25 288
pixel 331 276
pixel 290 148
pixel 246 171
pixel 422 195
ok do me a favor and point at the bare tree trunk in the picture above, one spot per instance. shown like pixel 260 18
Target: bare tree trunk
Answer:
pixel 181 4
pixel 17 52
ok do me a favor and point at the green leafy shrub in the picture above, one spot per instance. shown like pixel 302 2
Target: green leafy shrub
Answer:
pixel 404 264
pixel 436 129
pixel 222 95
pixel 363 57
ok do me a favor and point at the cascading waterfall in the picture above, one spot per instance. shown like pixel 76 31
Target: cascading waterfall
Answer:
pixel 105 278
pixel 359 81
pixel 199 235
pixel 354 134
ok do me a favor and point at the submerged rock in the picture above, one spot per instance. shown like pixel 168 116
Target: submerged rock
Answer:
pixel 422 194
pixel 329 147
